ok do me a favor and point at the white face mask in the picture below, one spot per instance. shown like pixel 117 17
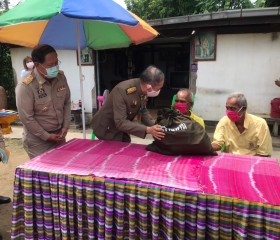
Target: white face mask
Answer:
pixel 152 93
pixel 30 65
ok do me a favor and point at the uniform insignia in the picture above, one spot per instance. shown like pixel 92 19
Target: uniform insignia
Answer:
pixel 28 79
pixel 61 88
pixel 143 102
pixel 45 109
pixel 134 103
pixel 41 93
pixel 130 90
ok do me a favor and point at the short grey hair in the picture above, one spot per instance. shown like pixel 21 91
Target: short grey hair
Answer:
pixel 152 75
pixel 241 100
pixel 185 90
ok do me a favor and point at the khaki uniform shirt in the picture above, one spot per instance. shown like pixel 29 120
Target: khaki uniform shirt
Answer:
pixel 43 106
pixel 255 140
pixel 115 117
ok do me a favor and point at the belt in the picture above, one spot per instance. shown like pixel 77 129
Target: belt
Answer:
pixel 55 131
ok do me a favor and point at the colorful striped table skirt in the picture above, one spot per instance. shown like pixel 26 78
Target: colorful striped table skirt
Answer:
pixel 65 206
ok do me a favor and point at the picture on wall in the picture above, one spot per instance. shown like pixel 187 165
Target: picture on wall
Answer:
pixel 204 46
pixel 87 57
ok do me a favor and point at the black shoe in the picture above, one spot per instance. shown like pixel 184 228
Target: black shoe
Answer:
pixel 4 200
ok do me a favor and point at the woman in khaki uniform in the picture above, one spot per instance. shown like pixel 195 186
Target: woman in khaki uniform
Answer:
pixel 114 121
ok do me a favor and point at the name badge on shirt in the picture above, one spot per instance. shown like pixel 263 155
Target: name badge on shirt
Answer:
pixel 61 88
pixel 134 103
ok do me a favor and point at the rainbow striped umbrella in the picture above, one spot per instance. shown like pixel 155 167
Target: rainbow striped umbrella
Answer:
pixel 73 24
pixel 102 24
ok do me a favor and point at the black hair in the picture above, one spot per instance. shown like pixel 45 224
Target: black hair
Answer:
pixel 152 75
pixel 38 54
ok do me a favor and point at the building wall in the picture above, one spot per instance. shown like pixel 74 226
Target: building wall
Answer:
pixel 69 65
pixel 247 63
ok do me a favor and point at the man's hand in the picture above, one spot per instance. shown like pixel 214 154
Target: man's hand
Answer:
pixel 54 138
pixel 156 131
pixel 63 134
pixel 277 82
pixel 216 147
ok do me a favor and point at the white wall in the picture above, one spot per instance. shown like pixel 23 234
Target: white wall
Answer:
pixel 68 60
pixel 247 63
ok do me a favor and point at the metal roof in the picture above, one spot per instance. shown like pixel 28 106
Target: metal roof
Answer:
pixel 221 15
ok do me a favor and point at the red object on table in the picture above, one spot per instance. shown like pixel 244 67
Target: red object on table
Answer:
pixel 275 108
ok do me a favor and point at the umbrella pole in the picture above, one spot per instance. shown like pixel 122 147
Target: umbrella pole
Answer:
pixel 97 73
pixel 81 77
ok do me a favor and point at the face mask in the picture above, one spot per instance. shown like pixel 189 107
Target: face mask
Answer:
pixel 52 71
pixel 152 93
pixel 30 65
pixel 182 107
pixel 233 116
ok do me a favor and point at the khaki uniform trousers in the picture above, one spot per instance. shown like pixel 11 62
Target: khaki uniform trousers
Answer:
pixel 35 146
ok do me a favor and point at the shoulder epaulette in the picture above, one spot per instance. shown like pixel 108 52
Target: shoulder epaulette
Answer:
pixel 130 90
pixel 28 79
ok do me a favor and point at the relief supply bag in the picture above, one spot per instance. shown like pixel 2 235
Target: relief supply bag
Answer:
pixel 183 136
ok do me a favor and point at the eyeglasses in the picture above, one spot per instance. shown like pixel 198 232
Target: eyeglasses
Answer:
pixel 233 109
pixel 53 65
pixel 182 101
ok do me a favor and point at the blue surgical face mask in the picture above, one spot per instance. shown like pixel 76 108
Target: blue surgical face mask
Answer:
pixel 52 71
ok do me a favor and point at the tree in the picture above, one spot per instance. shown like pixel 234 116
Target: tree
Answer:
pixel 4 5
pixel 272 3
pixel 6 69
pixel 152 9
pixel 6 74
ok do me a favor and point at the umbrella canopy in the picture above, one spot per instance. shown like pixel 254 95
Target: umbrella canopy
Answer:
pixel 70 24
pixel 103 24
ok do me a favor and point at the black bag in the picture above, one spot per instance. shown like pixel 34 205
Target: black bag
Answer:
pixel 183 135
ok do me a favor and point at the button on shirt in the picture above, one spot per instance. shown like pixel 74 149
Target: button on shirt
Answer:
pixel 255 140
pixel 44 106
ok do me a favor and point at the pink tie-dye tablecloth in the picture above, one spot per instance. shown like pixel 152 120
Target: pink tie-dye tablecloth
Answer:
pixel 250 178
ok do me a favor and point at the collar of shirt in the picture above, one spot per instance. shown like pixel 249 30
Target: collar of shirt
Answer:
pixel 138 87
pixel 39 77
pixel 246 123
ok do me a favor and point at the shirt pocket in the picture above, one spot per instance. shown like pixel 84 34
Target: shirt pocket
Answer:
pixel 61 94
pixel 42 106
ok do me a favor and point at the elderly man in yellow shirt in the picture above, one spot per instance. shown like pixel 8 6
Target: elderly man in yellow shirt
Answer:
pixel 184 102
pixel 240 132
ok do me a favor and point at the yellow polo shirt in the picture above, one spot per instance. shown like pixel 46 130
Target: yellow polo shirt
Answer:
pixel 255 140
pixel 197 119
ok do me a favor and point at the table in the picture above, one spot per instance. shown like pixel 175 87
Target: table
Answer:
pixel 111 190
